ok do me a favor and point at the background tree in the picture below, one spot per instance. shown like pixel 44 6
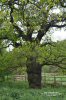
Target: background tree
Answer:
pixel 20 19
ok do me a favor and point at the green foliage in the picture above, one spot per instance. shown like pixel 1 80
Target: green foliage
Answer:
pixel 9 61
pixel 29 16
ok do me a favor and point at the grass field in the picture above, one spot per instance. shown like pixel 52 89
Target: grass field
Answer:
pixel 20 91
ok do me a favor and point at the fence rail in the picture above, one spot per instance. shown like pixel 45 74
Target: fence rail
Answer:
pixel 46 78
pixel 49 78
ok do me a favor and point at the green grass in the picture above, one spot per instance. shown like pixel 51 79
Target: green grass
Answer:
pixel 20 91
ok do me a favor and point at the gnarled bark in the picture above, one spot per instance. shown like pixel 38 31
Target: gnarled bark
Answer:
pixel 34 73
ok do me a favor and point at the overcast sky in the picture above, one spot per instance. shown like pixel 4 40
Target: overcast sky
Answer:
pixel 59 35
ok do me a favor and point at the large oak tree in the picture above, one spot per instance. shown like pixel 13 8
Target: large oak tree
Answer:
pixel 20 20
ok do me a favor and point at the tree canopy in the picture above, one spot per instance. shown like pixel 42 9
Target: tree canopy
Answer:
pixel 20 19
pixel 23 24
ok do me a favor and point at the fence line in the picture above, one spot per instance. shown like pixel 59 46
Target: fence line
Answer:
pixel 20 77
pixel 45 78
pixel 54 79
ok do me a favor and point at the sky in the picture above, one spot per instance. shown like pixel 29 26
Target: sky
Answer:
pixel 59 35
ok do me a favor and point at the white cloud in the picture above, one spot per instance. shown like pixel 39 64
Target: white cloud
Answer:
pixel 59 35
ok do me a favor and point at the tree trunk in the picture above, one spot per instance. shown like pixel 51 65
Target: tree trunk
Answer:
pixel 34 73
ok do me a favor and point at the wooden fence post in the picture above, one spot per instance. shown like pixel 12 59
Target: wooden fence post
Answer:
pixel 54 80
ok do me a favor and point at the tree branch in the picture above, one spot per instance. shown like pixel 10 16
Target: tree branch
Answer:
pixel 55 64
pixel 42 31
pixel 58 26
pixel 6 46
pixel 62 3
